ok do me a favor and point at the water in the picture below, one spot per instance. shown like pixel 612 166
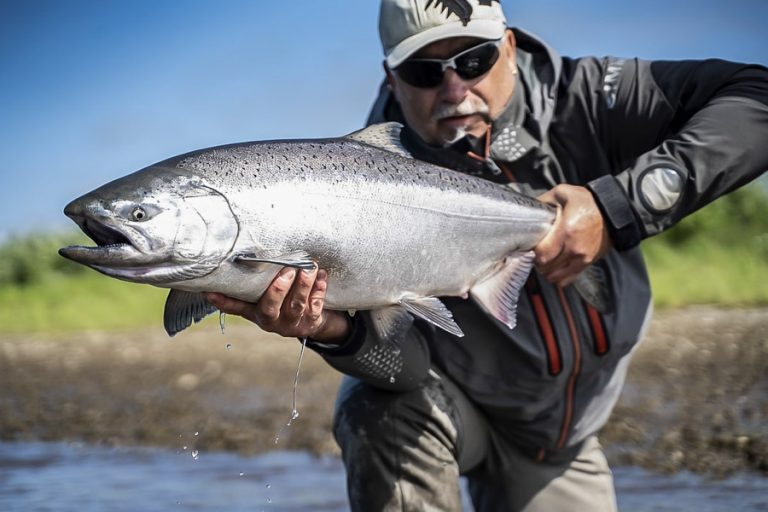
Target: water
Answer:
pixel 294 411
pixel 62 477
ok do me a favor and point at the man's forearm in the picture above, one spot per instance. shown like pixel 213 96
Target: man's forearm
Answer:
pixel 384 364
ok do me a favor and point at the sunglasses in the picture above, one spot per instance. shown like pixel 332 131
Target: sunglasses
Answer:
pixel 469 64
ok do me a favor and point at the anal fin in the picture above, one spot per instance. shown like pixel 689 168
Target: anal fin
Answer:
pixel 498 295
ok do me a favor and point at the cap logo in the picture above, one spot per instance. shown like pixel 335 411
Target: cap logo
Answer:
pixel 461 8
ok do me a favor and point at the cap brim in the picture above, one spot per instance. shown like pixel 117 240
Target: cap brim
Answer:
pixel 481 29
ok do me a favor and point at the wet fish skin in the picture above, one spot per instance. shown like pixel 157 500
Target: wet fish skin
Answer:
pixel 392 232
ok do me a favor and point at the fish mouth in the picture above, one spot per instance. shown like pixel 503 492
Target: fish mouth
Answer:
pixel 113 250
pixel 119 255
pixel 103 235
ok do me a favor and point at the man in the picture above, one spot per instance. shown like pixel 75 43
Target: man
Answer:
pixel 626 148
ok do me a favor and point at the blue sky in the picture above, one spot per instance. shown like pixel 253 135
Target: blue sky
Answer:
pixel 93 90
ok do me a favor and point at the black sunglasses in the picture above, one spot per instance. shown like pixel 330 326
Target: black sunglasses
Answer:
pixel 468 64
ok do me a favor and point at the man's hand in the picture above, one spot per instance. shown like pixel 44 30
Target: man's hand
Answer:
pixel 292 306
pixel 578 237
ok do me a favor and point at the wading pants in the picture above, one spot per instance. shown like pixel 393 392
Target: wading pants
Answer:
pixel 405 451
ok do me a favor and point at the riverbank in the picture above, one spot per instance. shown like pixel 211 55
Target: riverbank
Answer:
pixel 696 398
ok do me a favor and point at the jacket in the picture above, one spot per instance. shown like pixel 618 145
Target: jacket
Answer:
pixel 654 142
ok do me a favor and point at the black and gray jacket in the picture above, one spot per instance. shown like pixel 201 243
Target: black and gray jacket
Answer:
pixel 654 142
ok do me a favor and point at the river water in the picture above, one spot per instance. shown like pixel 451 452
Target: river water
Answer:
pixel 64 477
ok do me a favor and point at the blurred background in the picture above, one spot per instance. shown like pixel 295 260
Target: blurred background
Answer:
pixel 93 90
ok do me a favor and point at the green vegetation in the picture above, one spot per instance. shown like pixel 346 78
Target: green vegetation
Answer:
pixel 718 255
pixel 83 302
pixel 41 291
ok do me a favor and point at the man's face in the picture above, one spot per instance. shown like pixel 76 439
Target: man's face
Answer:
pixel 443 114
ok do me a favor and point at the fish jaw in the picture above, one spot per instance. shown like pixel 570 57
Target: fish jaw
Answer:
pixel 118 252
pixel 158 226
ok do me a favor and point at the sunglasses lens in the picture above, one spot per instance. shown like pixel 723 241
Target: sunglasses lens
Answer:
pixel 477 62
pixel 470 64
pixel 420 74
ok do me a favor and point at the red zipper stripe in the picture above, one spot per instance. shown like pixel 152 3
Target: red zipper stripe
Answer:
pixel 547 332
pixel 570 390
pixel 598 330
pixel 554 358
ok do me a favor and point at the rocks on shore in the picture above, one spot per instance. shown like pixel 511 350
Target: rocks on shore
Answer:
pixel 696 396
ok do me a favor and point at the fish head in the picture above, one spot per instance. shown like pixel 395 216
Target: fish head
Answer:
pixel 160 225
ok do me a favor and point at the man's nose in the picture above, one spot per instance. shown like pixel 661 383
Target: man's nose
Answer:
pixel 453 88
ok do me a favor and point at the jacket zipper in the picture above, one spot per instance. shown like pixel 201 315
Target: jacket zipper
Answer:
pixel 546 330
pixel 571 387
pixel 597 325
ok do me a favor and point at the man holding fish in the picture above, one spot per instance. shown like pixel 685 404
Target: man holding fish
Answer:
pixel 625 148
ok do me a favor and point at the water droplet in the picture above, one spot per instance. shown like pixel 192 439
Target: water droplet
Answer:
pixel 195 454
pixel 229 346
pixel 222 320
pixel 269 500
pixel 185 447
pixel 197 433
pixel 392 379
pixel 294 411
pixel 241 473
pixel 269 486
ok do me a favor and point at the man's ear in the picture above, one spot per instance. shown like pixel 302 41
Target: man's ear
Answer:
pixel 511 45
pixel 390 78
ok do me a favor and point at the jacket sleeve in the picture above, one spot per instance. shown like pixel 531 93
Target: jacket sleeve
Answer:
pixel 679 135
pixel 383 364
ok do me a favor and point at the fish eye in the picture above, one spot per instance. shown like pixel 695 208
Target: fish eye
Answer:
pixel 138 214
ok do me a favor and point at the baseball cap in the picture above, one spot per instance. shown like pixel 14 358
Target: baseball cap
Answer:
pixel 406 26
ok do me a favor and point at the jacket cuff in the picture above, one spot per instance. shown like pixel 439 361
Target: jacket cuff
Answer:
pixel 350 346
pixel 617 210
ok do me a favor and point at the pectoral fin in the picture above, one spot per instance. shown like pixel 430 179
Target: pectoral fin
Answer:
pixel 498 295
pixel 297 260
pixel 434 312
pixel 182 308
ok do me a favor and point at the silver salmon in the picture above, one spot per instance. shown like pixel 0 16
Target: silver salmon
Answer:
pixel 394 233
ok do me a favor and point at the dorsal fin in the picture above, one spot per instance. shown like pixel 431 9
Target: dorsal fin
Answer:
pixel 384 135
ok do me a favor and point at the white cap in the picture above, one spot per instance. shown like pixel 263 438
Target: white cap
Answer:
pixel 406 26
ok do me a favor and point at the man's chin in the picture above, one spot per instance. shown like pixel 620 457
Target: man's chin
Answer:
pixel 455 128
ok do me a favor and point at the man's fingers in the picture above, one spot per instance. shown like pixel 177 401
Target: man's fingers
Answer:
pixel 316 299
pixel 271 301
pixel 550 248
pixel 229 305
pixel 566 273
pixel 295 302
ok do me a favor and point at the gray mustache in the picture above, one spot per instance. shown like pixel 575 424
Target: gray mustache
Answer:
pixel 465 108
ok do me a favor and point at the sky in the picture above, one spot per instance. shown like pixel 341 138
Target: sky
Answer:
pixel 93 90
